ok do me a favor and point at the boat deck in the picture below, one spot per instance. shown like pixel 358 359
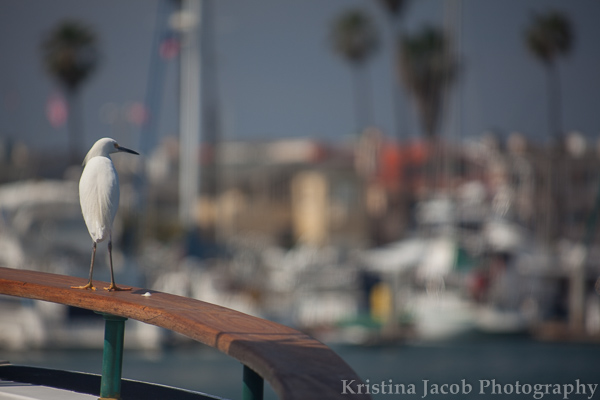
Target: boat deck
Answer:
pixel 23 391
pixel 22 382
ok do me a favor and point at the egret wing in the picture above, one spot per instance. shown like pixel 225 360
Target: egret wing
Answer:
pixel 99 196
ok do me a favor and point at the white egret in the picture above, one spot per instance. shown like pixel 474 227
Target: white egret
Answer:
pixel 99 199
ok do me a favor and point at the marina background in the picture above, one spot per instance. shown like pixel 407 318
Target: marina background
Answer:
pixel 443 233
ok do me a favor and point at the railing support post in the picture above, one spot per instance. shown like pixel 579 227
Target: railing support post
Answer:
pixel 112 360
pixel 253 385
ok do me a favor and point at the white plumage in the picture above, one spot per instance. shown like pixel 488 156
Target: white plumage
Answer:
pixel 99 199
pixel 99 196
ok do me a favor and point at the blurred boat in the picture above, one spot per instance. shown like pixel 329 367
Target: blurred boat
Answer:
pixel 41 228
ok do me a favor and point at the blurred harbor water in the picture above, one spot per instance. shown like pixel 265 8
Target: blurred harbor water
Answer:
pixel 507 359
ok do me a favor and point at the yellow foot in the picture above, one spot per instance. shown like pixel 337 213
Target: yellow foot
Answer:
pixel 88 286
pixel 116 288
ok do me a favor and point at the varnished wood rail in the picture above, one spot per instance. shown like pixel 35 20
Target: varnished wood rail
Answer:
pixel 295 365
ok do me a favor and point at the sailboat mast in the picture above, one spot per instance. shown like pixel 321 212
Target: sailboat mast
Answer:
pixel 190 110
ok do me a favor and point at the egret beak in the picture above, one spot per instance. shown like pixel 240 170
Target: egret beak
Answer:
pixel 126 150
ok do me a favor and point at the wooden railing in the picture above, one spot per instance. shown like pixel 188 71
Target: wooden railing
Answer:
pixel 295 365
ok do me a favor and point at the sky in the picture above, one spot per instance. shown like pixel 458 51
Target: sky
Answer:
pixel 277 75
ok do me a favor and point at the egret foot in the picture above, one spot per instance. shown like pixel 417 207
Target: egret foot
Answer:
pixel 116 288
pixel 88 286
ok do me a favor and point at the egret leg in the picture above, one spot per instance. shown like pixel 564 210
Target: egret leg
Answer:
pixel 89 284
pixel 113 286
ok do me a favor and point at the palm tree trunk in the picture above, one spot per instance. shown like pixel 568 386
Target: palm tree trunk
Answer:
pixel 75 126
pixel 363 107
pixel 554 207
pixel 559 181
pixel 399 114
pixel 554 102
pixel 397 110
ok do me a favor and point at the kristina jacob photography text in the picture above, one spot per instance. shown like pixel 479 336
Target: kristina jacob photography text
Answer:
pixel 481 386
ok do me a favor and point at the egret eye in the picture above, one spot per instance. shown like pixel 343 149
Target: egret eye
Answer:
pixel 116 145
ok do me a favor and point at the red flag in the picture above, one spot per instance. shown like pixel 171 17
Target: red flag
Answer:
pixel 169 48
pixel 57 111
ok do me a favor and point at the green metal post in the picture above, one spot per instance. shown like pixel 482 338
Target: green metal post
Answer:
pixel 253 385
pixel 112 360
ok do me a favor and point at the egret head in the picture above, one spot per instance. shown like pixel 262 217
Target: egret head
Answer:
pixel 104 147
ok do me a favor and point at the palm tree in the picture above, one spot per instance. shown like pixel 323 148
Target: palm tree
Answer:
pixel 355 38
pixel 394 9
pixel 548 36
pixel 71 55
pixel 426 69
